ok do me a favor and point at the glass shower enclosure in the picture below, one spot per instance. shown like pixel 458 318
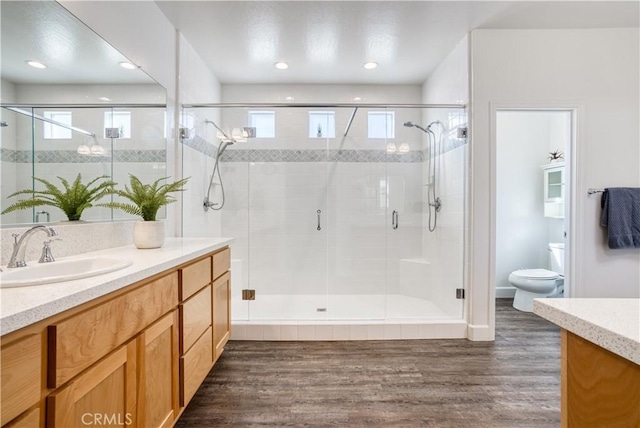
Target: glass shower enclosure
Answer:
pixel 328 208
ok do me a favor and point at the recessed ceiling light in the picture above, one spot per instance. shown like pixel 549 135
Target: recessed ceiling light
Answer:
pixel 289 98
pixel 370 65
pixel 357 99
pixel 281 65
pixel 127 65
pixel 104 99
pixel 35 64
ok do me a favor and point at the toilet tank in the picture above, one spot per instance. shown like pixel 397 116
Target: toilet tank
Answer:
pixel 556 257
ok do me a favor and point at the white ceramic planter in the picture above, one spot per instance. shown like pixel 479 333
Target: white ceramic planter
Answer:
pixel 148 234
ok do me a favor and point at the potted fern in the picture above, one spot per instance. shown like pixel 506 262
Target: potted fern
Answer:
pixel 72 198
pixel 145 201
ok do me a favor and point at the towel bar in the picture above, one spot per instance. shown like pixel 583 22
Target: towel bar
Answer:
pixel 591 191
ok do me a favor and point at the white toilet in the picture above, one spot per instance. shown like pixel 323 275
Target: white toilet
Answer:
pixel 534 283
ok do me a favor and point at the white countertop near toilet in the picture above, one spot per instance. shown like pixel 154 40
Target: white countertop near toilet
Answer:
pixel 613 324
pixel 22 306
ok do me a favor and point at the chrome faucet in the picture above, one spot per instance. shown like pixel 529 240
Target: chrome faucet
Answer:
pixel 20 245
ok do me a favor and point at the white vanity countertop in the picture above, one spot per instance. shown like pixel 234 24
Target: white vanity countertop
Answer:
pixel 22 306
pixel 613 324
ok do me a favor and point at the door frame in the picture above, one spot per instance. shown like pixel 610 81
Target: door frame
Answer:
pixel 572 166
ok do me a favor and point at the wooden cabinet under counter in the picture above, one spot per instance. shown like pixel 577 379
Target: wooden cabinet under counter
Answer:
pixel 600 362
pixel 134 357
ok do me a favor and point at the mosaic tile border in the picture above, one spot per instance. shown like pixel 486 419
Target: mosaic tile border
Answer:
pixel 311 155
pixel 71 156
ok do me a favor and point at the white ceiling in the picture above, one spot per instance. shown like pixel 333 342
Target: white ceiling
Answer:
pixel 328 41
pixel 73 53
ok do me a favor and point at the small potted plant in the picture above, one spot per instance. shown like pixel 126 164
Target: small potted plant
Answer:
pixel 556 156
pixel 72 198
pixel 146 200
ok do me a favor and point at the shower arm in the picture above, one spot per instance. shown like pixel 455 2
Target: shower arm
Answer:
pixel 224 134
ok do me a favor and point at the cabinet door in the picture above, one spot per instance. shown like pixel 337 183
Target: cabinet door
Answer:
pixel 20 368
pixel 554 184
pixel 158 367
pixel 221 313
pixel 104 395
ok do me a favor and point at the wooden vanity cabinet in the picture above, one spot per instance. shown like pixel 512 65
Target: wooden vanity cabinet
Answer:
pixel 21 363
pixel 105 394
pixel 132 358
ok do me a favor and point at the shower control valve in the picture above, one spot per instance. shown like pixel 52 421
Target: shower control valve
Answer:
pixel 437 204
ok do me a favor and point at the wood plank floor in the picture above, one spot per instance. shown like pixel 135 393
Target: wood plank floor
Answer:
pixel 512 382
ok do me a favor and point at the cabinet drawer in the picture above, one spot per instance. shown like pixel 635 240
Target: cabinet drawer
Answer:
pixel 79 341
pixel 31 419
pixel 194 277
pixel 195 365
pixel 195 318
pixel 221 262
pixel 21 376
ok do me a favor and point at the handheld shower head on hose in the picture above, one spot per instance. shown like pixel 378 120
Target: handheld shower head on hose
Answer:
pixel 411 124
pixel 225 141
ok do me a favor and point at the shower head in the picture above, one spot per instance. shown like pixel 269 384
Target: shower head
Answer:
pixel 411 124
pixel 238 135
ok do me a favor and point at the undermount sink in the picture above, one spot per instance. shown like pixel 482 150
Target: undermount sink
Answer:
pixel 61 270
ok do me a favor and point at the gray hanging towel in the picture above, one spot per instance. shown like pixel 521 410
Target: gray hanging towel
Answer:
pixel 621 216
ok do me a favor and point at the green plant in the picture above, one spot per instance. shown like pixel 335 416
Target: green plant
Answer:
pixel 72 199
pixel 556 155
pixel 146 199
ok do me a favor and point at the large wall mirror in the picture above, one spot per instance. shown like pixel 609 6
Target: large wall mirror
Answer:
pixel 61 118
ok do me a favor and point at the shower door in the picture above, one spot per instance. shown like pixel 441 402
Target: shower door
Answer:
pixel 288 218
pixel 357 189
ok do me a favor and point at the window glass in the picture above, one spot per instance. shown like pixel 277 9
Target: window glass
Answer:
pixel 322 124
pixel 381 124
pixel 52 131
pixel 120 120
pixel 264 122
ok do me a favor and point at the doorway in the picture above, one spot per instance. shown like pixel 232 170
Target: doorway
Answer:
pixel 532 200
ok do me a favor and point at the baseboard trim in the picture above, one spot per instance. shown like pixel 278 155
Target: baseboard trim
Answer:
pixel 480 333
pixel 505 292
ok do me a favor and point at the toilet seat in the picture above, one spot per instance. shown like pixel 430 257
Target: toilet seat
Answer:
pixel 535 274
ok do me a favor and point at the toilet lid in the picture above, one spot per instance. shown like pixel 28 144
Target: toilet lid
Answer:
pixel 535 274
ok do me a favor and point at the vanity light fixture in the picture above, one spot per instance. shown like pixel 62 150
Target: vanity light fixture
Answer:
pixel 370 65
pixel 281 65
pixel 105 99
pixel 35 64
pixel 127 65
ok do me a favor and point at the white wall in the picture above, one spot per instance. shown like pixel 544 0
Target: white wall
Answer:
pixel 444 248
pixel 595 70
pixel 369 94
pixel 197 85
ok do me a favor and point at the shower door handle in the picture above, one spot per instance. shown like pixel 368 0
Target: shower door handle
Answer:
pixel 394 220
pixel 319 212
